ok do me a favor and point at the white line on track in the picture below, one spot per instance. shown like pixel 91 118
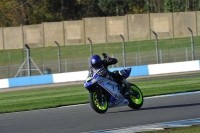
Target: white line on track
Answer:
pixel 176 94
pixel 151 127
pixel 168 95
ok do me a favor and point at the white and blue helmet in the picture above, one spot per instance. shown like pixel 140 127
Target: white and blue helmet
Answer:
pixel 96 61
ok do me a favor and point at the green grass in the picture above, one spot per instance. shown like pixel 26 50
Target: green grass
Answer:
pixel 42 98
pixel 169 86
pixel 40 54
pixel 50 97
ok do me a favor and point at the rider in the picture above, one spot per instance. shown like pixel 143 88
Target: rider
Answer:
pixel 97 63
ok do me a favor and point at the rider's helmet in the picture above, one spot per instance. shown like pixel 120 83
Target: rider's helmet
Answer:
pixel 96 61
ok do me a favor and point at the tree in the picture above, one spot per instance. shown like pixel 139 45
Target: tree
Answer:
pixel 9 13
pixel 88 8
pixel 138 6
pixel 23 12
pixel 181 5
pixel 114 7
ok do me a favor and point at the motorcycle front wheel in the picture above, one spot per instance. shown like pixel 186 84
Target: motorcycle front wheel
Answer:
pixel 135 102
pixel 94 102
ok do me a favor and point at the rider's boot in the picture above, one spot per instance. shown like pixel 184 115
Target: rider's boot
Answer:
pixel 129 91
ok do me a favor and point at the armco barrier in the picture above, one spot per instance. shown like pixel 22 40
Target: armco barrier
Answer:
pixel 144 70
pixel 199 64
pixel 136 70
pixel 70 76
pixel 30 80
pixel 4 83
pixel 174 67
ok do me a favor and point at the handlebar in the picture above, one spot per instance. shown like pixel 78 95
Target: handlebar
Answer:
pixel 105 55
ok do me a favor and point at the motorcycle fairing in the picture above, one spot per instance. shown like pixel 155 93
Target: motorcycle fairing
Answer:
pixel 106 83
pixel 110 86
pixel 114 101
pixel 125 72
pixel 97 73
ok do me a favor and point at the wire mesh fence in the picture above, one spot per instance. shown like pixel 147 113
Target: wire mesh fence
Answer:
pixel 51 66
pixel 76 57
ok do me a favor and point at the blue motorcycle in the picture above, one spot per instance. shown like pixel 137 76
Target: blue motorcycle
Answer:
pixel 113 93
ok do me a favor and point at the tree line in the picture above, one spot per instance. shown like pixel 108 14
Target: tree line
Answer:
pixel 25 12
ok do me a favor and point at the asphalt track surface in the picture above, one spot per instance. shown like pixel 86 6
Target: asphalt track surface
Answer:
pixel 82 118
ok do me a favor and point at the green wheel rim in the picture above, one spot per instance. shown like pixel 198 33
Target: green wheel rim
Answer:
pixel 100 107
pixel 137 100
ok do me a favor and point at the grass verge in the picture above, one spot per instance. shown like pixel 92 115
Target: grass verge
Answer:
pixel 50 97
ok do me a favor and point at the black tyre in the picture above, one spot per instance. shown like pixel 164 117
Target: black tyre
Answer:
pixel 96 105
pixel 135 102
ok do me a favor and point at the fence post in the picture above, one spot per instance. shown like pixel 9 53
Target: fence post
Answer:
pixel 65 65
pixel 89 65
pixel 112 57
pixel 91 50
pixel 157 53
pixel 123 48
pixel 136 58
pixel 43 66
pixel 23 58
pixel 186 52
pixel 28 59
pixel 160 52
pixel 59 61
pixel 192 44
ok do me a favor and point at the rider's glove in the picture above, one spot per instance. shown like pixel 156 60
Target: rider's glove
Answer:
pixel 106 57
pixel 88 79
pixel 87 82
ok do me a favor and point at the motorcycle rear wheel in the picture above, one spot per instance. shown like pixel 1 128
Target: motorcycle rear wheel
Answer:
pixel 96 105
pixel 135 103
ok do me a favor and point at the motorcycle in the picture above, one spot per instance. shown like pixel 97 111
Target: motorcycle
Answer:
pixel 99 83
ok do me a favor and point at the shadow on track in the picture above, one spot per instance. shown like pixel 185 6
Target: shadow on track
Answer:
pixel 160 107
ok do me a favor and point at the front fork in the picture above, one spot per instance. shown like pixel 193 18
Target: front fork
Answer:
pixel 99 92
